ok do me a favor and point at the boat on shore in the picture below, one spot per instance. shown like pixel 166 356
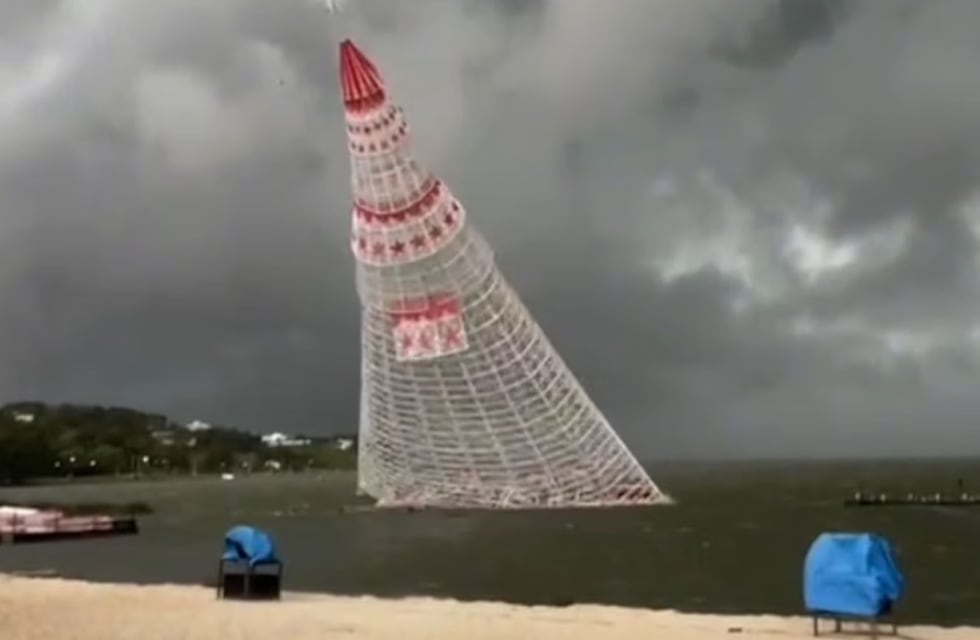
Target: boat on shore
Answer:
pixel 26 524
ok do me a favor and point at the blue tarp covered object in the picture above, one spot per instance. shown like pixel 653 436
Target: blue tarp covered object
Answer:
pixel 248 544
pixel 851 574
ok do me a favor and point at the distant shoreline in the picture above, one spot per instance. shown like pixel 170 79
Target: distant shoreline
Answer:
pixel 54 481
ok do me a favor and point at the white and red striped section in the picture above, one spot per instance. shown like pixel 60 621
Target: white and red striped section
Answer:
pixel 360 83
pixel 411 233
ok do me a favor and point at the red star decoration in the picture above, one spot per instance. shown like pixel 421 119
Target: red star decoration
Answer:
pixel 435 232
pixel 418 241
pixel 406 342
pixel 378 249
pixel 398 247
pixel 449 219
pixel 362 243
pixel 425 341
pixel 451 336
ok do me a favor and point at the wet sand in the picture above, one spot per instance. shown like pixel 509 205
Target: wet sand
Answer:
pixel 52 608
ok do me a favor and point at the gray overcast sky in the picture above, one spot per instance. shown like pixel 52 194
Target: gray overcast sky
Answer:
pixel 751 226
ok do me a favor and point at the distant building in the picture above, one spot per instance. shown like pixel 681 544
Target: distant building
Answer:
pixel 197 425
pixel 165 438
pixel 282 440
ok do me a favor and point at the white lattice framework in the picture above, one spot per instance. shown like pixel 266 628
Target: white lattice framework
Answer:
pixel 464 402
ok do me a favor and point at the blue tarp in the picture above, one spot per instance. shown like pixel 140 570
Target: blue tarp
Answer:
pixel 851 574
pixel 250 545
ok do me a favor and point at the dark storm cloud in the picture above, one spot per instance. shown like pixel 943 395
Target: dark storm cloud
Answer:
pixel 173 206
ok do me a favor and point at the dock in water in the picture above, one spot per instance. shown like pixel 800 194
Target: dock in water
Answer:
pixel 913 500
pixel 23 525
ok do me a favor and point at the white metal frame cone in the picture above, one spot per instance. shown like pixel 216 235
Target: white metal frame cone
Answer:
pixel 464 401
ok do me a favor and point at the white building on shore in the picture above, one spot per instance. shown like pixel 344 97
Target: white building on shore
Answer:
pixel 277 439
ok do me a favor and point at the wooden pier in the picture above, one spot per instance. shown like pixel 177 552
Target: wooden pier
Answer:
pixel 913 500
pixel 47 526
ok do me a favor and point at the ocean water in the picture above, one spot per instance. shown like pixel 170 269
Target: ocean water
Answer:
pixel 734 543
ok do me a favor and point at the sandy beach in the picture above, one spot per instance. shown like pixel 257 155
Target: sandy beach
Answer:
pixel 47 609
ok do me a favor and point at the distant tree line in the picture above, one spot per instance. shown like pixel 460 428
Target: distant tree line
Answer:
pixel 48 441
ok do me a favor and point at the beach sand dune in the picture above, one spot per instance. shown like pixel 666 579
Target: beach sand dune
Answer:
pixel 49 609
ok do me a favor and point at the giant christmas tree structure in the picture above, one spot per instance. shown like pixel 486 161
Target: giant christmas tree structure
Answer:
pixel 464 402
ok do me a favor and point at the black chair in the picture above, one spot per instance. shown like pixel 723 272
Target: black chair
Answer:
pixel 839 619
pixel 241 580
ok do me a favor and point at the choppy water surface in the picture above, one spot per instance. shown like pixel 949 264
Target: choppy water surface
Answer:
pixel 734 543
